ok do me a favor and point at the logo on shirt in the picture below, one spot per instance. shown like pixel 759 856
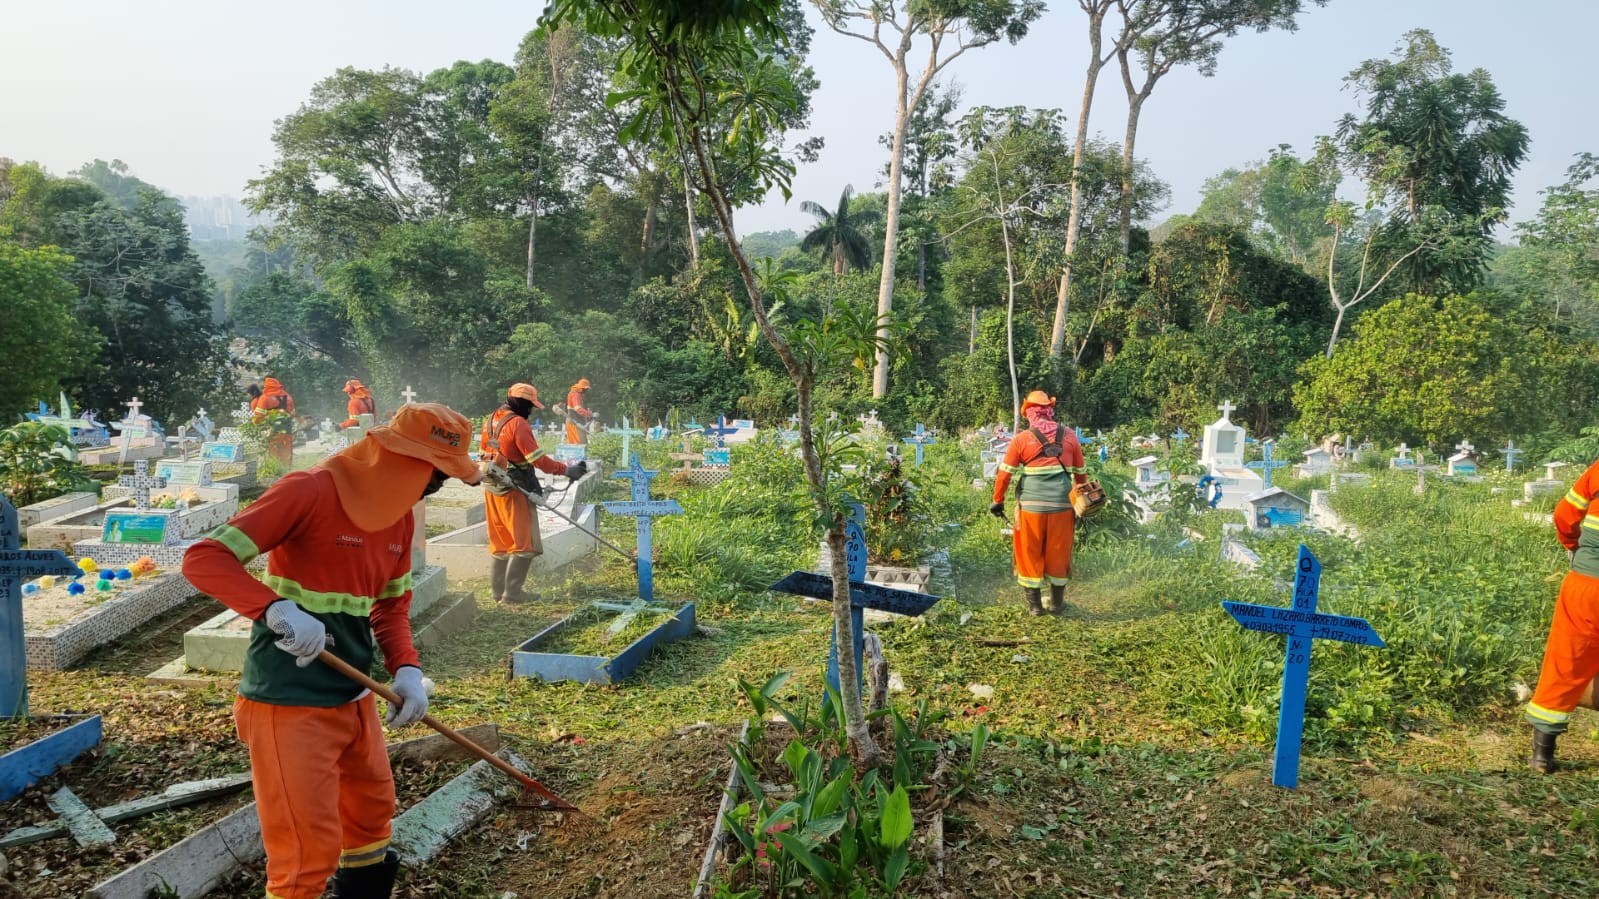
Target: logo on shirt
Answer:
pixel 396 548
pixel 347 541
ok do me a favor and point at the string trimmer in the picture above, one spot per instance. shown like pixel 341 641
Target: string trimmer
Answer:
pixel 534 794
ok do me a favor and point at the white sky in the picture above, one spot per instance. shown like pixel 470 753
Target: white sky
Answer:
pixel 186 91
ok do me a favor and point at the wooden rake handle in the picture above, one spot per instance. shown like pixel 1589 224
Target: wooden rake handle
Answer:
pixel 549 796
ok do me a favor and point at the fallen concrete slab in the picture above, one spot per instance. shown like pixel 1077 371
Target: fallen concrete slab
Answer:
pixel 194 866
pixel 429 826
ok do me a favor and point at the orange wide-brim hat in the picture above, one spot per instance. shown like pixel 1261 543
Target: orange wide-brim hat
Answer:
pixel 582 384
pixel 434 433
pixel 525 391
pixel 353 385
pixel 1037 398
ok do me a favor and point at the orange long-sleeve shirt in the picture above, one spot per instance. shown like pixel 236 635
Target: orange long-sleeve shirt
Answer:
pixel 1577 522
pixel 358 583
pixel 1045 486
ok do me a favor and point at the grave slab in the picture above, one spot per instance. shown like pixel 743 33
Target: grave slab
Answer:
pixel 23 767
pixel 61 640
pixel 56 507
pixel 528 660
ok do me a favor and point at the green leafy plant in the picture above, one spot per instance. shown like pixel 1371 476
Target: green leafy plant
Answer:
pixel 898 523
pixel 36 464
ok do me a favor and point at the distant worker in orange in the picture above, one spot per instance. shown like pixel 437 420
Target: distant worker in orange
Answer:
pixel 514 540
pixel 1046 461
pixel 362 402
pixel 1571 657
pixel 338 578
pixel 274 398
pixel 578 415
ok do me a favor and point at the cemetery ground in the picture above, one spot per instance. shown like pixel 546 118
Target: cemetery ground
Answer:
pixel 1131 738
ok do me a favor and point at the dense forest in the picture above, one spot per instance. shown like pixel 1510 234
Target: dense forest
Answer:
pixel 495 221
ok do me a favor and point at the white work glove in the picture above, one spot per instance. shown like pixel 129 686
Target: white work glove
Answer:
pixel 412 690
pixel 304 637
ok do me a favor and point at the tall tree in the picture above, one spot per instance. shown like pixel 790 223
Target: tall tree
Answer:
pixel 930 141
pixel 1437 153
pixel 951 27
pixel 1283 200
pixel 42 343
pixel 1562 246
pixel 1159 35
pixel 527 115
pixel 838 234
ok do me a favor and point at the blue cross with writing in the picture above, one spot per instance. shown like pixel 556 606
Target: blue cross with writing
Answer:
pixel 644 509
pixel 719 430
pixel 1267 465
pixel 862 595
pixel 920 439
pixel 15 565
pixel 1302 624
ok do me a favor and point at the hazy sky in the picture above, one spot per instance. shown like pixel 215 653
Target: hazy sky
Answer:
pixel 185 91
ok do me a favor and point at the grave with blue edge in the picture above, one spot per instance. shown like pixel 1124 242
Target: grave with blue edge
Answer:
pixel 528 660
pixel 627 433
pixel 1267 464
pixel 26 766
pixel 1302 625
pixel 862 596
pixel 720 431
pixel 921 438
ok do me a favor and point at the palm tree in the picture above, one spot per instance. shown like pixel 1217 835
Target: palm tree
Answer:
pixel 840 234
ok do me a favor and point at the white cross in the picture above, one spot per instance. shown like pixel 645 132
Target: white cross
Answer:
pixel 409 394
pixel 133 409
pixel 1227 408
pixel 1465 446
pixel 1404 451
pixel 141 482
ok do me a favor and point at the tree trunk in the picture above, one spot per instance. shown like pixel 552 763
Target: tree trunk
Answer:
pixel 1134 106
pixel 1010 304
pixel 856 726
pixel 1074 218
pixel 1337 324
pixel 896 165
pixel 971 338
pixel 532 233
pixel 693 226
pixel 921 266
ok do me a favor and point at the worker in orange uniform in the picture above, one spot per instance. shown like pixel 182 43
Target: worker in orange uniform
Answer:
pixel 338 578
pixel 514 540
pixel 274 397
pixel 1046 461
pixel 361 402
pixel 578 416
pixel 1571 657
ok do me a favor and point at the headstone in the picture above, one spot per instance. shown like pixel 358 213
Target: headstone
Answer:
pixel 1267 464
pixel 920 439
pixel 862 594
pixel 183 474
pixel 1402 460
pixel 17 565
pixel 659 432
pixel 1318 460
pixel 1222 454
pixel 141 482
pixel 871 426
pixel 1549 469
pixel 408 394
pixel 1511 454
pixel 1302 625
pixel 1149 474
pixel 719 431
pixel 1464 462
pixel 719 458
pixel 571 452
pixel 1274 507
pixel 644 509
pixel 628 433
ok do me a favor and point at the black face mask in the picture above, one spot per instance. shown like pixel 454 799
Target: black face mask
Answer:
pixel 434 483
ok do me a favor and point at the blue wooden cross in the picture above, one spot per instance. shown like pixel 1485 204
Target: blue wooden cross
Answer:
pixel 16 565
pixel 628 434
pixel 659 432
pixel 719 430
pixel 1179 435
pixel 644 509
pixel 1267 465
pixel 1511 453
pixel 920 439
pixel 862 595
pixel 1302 624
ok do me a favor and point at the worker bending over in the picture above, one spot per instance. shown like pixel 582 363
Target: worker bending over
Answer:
pixel 578 415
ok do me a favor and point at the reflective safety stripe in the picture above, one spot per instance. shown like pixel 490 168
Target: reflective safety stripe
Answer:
pixel 237 542
pixel 537 454
pixel 1010 468
pixel 396 587
pixel 1053 471
pixel 1546 716
pixel 1035 583
pixel 1576 499
pixel 363 856
pixel 324 603
pixel 1591 523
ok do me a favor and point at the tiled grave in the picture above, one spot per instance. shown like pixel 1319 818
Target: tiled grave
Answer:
pixel 61 628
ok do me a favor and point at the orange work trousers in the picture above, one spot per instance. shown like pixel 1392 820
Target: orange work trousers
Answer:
pixel 576 435
pixel 513 525
pixel 1571 657
pixel 1043 547
pixel 323 789
pixel 281 448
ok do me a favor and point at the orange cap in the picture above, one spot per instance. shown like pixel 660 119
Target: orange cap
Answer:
pixel 353 385
pixel 582 384
pixel 432 432
pixel 523 390
pixel 1037 398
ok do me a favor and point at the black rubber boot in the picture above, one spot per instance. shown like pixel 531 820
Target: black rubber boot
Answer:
pixel 1035 601
pixel 368 882
pixel 1543 752
pixel 1057 599
pixel 515 577
pixel 497 567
